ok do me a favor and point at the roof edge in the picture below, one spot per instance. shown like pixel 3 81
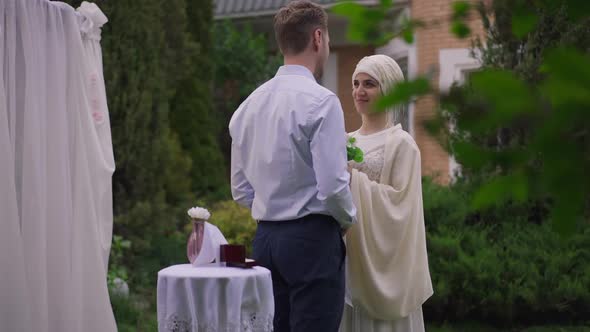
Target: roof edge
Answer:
pixel 265 13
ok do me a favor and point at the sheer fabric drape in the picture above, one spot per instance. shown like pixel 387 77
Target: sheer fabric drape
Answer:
pixel 55 170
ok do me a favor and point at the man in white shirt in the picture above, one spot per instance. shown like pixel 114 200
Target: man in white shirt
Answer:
pixel 288 165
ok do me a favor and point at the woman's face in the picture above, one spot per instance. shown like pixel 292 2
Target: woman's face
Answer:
pixel 365 91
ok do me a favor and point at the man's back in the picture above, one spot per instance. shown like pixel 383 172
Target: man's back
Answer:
pixel 277 135
pixel 289 166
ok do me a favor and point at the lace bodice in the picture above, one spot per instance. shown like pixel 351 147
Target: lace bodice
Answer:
pixel 373 145
pixel 372 164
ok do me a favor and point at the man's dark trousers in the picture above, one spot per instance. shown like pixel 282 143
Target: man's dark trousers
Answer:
pixel 306 259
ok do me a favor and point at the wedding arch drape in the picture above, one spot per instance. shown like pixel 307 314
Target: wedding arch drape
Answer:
pixel 56 163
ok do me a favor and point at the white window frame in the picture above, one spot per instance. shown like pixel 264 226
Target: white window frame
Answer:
pixel 454 64
pixel 330 76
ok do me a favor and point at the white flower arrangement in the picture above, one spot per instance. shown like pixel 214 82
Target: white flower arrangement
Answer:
pixel 199 213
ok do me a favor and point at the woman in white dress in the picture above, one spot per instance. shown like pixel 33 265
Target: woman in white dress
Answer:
pixel 388 278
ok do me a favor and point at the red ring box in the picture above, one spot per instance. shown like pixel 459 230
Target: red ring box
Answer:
pixel 234 255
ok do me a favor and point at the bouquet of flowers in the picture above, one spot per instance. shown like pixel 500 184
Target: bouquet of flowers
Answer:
pixel 199 213
pixel 353 152
pixel 194 245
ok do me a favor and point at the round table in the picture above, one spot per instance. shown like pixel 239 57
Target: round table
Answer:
pixel 214 299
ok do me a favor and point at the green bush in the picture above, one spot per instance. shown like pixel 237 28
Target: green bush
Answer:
pixel 443 203
pixel 235 222
pixel 131 315
pixel 116 267
pixel 504 271
pixel 478 327
pixel 490 266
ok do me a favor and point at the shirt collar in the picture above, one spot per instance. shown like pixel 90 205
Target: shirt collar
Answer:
pixel 295 70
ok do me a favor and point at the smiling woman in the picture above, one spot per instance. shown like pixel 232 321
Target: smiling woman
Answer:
pixel 388 242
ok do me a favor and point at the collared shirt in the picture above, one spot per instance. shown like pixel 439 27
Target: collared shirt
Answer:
pixel 288 156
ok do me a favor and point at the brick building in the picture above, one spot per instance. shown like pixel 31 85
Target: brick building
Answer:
pixel 434 50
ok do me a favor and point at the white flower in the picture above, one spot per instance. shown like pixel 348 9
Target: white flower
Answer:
pixel 120 288
pixel 199 213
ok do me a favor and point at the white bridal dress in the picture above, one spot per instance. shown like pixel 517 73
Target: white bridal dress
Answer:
pixel 387 273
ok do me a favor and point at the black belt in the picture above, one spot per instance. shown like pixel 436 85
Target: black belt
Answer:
pixel 298 220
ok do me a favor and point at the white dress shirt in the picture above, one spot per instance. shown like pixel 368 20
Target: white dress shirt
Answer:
pixel 288 156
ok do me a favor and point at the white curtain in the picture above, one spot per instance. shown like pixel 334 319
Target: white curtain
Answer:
pixel 56 163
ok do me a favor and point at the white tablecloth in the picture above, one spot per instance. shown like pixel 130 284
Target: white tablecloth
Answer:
pixel 214 299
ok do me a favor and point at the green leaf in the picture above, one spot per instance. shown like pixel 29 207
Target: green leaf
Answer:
pixel 408 27
pixel 461 9
pixel 354 153
pixel 578 9
pixel 471 155
pixel 408 35
pixel 460 13
pixel 365 24
pixel 460 29
pixel 508 95
pixel 523 22
pixel 386 4
pixel 565 215
pixel 563 93
pixel 348 9
pixel 403 92
pixel 501 188
pixel 568 77
pixel 359 157
pixel 568 65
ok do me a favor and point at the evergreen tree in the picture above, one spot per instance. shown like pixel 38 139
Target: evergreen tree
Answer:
pixel 518 126
pixel 152 182
pixel 192 115
pixel 523 55
pixel 159 108
pixel 243 61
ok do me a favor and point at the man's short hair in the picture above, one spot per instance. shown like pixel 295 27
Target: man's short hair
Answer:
pixel 294 25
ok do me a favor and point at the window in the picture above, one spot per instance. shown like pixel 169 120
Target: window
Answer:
pixel 404 112
pixel 455 67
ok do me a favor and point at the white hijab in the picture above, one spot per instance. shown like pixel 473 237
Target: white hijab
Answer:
pixel 388 73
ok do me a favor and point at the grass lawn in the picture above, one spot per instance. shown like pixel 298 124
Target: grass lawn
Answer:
pixel 135 315
pixel 477 327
